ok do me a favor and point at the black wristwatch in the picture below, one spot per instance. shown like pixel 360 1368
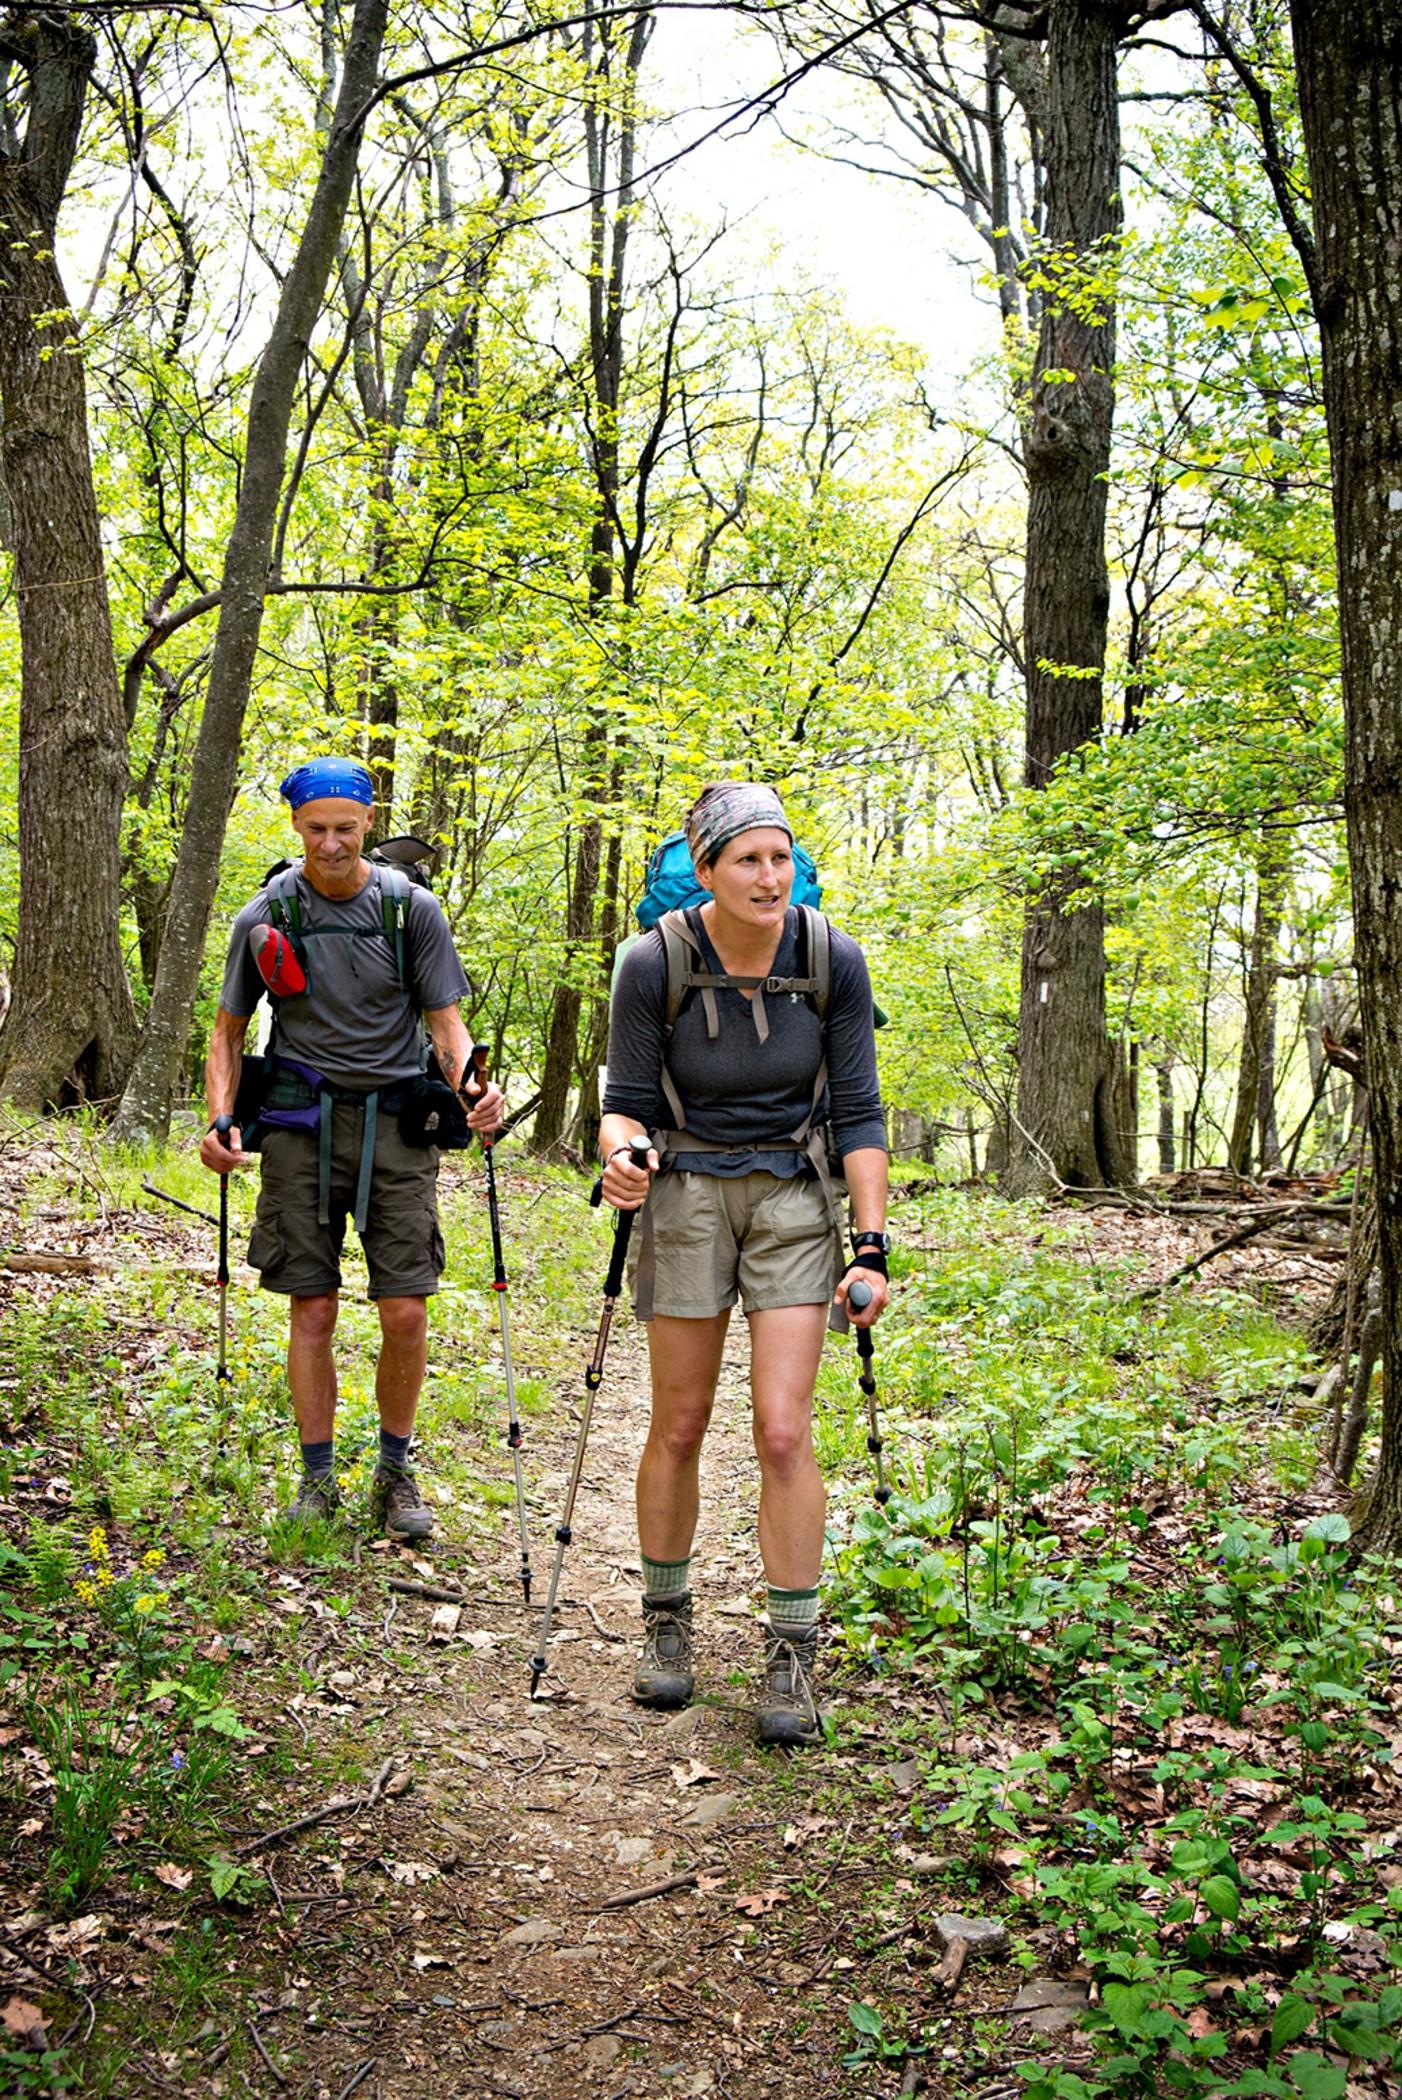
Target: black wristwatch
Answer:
pixel 881 1241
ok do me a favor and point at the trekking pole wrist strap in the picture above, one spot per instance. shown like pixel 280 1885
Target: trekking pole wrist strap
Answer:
pixel 617 1153
pixel 868 1258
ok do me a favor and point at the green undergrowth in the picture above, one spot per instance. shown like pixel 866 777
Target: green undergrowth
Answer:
pixel 145 1668
pixel 1162 1734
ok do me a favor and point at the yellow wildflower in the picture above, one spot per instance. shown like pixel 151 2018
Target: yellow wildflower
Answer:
pixel 147 1604
pixel 85 1592
pixel 97 1543
pixel 154 1559
pixel 102 1576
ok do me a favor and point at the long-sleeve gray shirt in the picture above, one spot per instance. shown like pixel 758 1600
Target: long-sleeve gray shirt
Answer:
pixel 736 1090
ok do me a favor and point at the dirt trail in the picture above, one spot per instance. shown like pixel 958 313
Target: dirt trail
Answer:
pixel 472 1949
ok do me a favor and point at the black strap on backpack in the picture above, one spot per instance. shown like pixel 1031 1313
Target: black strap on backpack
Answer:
pixel 285 911
pixel 681 945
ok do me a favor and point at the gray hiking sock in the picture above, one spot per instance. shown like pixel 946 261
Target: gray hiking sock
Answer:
pixel 664 1581
pixel 394 1450
pixel 319 1459
pixel 792 1611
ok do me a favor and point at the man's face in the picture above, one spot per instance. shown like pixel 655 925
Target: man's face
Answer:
pixel 332 832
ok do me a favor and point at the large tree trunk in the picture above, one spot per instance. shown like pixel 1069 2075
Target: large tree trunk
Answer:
pixel 613 208
pixel 1069 1126
pixel 1349 61
pixel 145 1109
pixel 71 1027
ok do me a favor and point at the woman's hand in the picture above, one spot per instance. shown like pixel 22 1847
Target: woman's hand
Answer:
pixel 626 1186
pixel 879 1287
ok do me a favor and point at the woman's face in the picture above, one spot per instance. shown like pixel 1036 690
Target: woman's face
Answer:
pixel 751 878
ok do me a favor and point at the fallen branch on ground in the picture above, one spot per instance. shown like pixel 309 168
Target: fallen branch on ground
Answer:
pixel 654 1888
pixel 435 1592
pixel 340 1805
pixel 1243 1233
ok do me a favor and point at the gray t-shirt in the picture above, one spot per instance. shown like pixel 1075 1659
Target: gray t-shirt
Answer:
pixel 736 1090
pixel 356 1024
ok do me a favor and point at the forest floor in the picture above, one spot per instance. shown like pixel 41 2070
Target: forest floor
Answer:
pixel 1043 1714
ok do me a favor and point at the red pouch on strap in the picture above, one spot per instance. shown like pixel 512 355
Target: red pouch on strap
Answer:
pixel 277 962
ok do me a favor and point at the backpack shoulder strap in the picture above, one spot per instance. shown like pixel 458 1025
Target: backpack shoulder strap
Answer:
pixel 394 910
pixel 682 951
pixel 283 903
pixel 819 933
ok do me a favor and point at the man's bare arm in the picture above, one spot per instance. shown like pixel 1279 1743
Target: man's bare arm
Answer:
pixel 222 1069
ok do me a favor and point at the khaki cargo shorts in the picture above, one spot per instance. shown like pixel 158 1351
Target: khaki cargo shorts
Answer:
pixel 754 1237
pixel 403 1245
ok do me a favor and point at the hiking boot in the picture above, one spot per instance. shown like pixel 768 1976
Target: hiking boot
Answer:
pixel 664 1676
pixel 318 1496
pixel 788 1713
pixel 396 1506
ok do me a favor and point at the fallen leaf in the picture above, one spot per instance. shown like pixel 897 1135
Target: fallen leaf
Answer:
pixel 761 1900
pixel 411 1870
pixel 425 1960
pixel 174 1877
pixel 444 1623
pixel 692 1773
pixel 707 1884
pixel 25 2022
pixel 32 1828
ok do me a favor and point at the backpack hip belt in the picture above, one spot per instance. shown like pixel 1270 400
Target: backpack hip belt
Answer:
pixel 301 1098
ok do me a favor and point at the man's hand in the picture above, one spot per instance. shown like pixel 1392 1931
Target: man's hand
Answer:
pixel 880 1290
pixel 223 1155
pixel 488 1110
pixel 626 1186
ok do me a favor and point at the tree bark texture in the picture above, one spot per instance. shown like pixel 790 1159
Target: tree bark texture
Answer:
pixel 612 211
pixel 1255 1095
pixel 1349 60
pixel 71 1027
pixel 145 1109
pixel 1069 1085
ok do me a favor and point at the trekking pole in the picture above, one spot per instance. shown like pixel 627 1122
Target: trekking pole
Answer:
pixel 223 1125
pixel 859 1298
pixel 513 1426
pixel 613 1290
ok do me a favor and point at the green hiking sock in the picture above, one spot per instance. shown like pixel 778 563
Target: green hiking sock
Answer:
pixel 792 1610
pixel 665 1579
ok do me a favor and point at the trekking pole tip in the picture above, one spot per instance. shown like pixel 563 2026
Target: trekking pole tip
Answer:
pixel 537 1672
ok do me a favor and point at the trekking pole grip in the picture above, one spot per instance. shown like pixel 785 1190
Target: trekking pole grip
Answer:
pixel 623 1225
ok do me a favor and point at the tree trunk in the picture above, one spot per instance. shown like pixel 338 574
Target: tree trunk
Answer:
pixel 1255 1096
pixel 613 208
pixel 145 1109
pixel 71 1027
pixel 1164 1074
pixel 1349 61
pixel 1068 1128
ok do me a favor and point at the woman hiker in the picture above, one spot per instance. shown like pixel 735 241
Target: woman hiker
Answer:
pixel 744 1095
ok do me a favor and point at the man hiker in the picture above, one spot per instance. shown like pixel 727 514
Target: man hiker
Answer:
pixel 354 956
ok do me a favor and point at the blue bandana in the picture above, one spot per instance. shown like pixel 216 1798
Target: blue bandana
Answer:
pixel 341 779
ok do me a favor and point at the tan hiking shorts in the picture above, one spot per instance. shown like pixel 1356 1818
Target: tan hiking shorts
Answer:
pixel 301 1258
pixel 754 1237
